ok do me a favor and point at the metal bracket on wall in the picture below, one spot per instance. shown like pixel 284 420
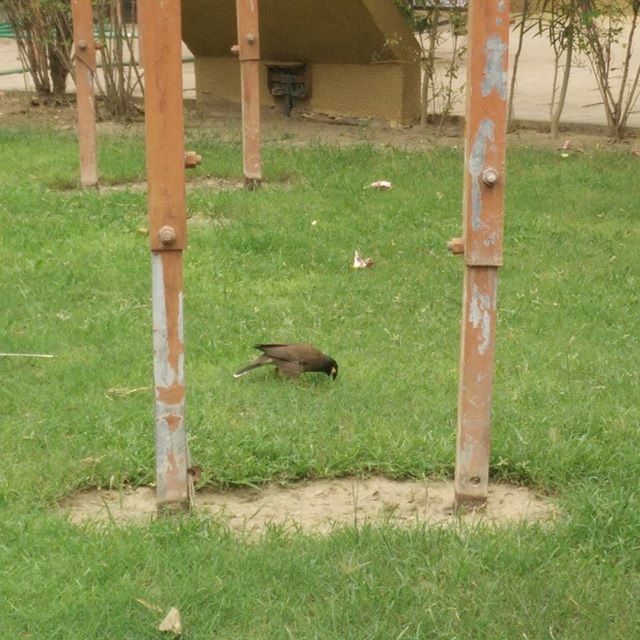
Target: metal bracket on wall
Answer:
pixel 288 82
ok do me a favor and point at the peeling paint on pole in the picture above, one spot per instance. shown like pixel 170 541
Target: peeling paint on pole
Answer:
pixel 168 357
pixel 480 316
pixel 485 139
pixel 167 230
pixel 495 75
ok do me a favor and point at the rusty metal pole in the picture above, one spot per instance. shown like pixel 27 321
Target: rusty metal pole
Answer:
pixel 85 68
pixel 481 245
pixel 248 51
pixel 168 238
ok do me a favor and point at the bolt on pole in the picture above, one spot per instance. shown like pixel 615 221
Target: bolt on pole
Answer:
pixel 85 68
pixel 248 51
pixel 164 128
pixel 481 244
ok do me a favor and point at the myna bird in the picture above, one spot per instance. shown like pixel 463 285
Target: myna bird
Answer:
pixel 292 359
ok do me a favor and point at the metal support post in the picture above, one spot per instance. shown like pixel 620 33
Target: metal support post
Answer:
pixel 85 68
pixel 168 238
pixel 248 51
pixel 481 244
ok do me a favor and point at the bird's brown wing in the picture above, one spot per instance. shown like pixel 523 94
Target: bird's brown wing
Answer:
pixel 295 353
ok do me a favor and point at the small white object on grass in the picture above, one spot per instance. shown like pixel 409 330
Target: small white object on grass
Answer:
pixel 26 355
pixel 383 185
pixel 361 263
pixel 172 622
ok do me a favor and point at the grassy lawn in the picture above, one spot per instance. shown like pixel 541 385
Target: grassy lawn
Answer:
pixel 274 265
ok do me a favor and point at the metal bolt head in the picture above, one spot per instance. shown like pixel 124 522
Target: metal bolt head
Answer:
pixel 235 49
pixel 456 245
pixel 251 38
pixel 192 159
pixel 82 45
pixel 167 235
pixel 490 176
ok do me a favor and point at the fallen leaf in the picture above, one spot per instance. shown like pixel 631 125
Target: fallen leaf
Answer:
pixel 172 622
pixel 361 263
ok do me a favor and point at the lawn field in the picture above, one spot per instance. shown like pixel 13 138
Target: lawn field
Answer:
pixel 275 265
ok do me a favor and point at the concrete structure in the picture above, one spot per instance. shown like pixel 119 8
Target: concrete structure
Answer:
pixel 353 58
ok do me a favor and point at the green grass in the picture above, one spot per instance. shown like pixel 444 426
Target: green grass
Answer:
pixel 75 282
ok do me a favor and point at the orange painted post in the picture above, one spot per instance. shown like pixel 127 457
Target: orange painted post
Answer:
pixel 168 238
pixel 248 51
pixel 481 245
pixel 85 68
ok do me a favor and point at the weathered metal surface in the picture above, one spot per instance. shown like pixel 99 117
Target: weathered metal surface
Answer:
pixel 485 131
pixel 162 51
pixel 248 50
pixel 476 385
pixel 167 226
pixel 85 67
pixel 172 459
pixel 482 241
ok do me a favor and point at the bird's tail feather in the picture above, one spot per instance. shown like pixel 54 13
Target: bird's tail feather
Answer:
pixel 245 370
pixel 259 362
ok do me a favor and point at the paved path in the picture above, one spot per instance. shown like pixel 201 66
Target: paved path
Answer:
pixel 533 92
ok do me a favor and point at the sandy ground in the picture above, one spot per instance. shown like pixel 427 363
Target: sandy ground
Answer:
pixel 320 505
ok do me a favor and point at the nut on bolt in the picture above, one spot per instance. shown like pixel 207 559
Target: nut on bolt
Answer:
pixel 490 176
pixel 235 49
pixel 192 159
pixel 82 45
pixel 456 245
pixel 167 234
pixel 251 38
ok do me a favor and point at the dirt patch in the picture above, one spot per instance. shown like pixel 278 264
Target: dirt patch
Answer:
pixel 318 506
pixel 140 186
pixel 16 109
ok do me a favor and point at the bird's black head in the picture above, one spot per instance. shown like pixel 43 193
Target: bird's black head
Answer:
pixel 331 368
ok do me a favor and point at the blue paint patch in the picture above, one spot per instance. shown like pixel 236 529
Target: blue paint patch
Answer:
pixel 484 138
pixel 495 75
pixel 480 317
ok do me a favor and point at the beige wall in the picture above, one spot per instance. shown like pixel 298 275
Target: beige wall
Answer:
pixel 385 90
pixel 364 59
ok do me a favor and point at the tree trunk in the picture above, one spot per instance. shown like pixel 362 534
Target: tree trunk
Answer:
pixel 562 97
pixel 516 59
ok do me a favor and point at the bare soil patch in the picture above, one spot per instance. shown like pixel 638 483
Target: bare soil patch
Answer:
pixel 16 109
pixel 318 506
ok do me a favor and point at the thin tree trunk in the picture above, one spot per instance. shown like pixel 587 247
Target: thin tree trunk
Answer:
pixel 429 68
pixel 562 97
pixel 516 60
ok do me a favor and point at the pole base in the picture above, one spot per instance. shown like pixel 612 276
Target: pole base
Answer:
pixel 173 507
pixel 468 502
